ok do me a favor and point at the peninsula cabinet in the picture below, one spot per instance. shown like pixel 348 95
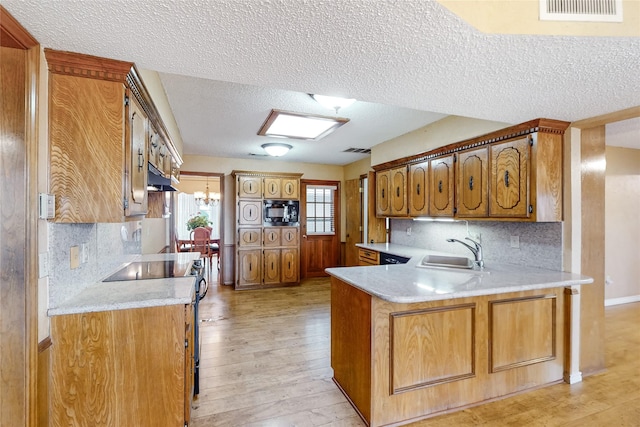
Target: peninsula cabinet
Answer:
pixel 441 177
pixel 123 367
pixel 472 183
pixel 266 256
pixel 419 189
pixel 100 121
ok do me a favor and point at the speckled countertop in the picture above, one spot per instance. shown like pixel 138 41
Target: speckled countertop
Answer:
pixel 104 296
pixel 407 283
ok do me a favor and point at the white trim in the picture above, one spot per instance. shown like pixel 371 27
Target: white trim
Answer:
pixel 621 300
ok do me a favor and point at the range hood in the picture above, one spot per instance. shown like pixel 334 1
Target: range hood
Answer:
pixel 157 181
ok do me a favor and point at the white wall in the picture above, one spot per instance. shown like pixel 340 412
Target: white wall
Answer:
pixel 622 224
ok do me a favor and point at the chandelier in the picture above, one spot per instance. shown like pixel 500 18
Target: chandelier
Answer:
pixel 207 198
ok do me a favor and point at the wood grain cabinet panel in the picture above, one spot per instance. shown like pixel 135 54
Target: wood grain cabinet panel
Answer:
pixel 472 187
pixel 419 189
pixel 272 236
pixel 441 177
pixel 272 265
pixel 383 185
pixel 368 257
pixel 398 194
pixel 249 267
pixel 272 188
pixel 290 188
pixel 122 367
pixel 136 169
pixel 249 187
pixel 249 237
pixel 290 236
pixel 290 265
pixel 510 178
pixel 249 212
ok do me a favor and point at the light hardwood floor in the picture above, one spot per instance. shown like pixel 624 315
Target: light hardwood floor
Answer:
pixel 266 362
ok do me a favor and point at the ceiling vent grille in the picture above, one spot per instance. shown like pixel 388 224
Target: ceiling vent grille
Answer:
pixel 581 10
pixel 358 150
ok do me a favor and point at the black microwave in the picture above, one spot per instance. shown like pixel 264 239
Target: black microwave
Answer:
pixel 281 212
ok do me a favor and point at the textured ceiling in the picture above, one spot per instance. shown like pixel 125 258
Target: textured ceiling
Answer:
pixel 413 54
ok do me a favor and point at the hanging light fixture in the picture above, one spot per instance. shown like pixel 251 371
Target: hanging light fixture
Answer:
pixel 207 198
pixel 333 102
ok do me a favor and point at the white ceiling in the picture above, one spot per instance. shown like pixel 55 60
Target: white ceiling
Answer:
pixel 413 56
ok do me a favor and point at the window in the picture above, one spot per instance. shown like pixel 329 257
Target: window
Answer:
pixel 320 209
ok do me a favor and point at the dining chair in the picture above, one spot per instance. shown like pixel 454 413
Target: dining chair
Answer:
pixel 200 243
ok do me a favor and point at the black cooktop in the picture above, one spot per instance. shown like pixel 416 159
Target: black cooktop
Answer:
pixel 141 270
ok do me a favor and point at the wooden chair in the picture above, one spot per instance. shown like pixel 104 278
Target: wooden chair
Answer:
pixel 200 243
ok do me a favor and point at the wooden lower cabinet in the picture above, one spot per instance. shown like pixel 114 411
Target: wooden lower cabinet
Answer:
pixel 123 367
pixel 290 262
pixel 249 268
pixel 398 363
pixel 368 257
pixel 271 266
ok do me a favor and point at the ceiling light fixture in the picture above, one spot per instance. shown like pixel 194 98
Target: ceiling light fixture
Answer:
pixel 275 149
pixel 333 102
pixel 284 124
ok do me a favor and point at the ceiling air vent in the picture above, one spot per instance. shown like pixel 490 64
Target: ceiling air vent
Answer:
pixel 581 10
pixel 358 150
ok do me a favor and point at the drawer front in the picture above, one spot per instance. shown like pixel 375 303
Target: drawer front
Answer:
pixel 369 256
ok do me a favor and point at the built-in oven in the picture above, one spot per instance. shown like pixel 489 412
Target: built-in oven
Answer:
pixel 281 212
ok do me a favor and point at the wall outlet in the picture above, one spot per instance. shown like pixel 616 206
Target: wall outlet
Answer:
pixel 515 242
pixel 43 265
pixel 74 257
pixel 84 253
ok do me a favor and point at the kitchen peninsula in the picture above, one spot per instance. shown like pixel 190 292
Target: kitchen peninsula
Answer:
pixel 410 342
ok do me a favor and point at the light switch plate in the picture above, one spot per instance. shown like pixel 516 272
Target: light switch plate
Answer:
pixel 74 257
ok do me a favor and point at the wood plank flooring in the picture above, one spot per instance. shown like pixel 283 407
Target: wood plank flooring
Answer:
pixel 265 361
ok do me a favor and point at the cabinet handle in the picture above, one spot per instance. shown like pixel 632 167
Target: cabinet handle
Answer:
pixel 140 159
pixel 383 193
pixel 506 178
pixel 397 191
pixel 440 186
pixel 272 265
pixel 471 182
pixel 249 265
pixel 418 189
pixel 289 266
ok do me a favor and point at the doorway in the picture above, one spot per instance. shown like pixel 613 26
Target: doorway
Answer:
pixel 320 227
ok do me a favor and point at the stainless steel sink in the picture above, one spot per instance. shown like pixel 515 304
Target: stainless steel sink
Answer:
pixel 446 261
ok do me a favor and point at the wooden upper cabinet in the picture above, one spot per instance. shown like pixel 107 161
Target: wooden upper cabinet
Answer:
pixel 154 146
pixel 472 183
pixel 250 212
pixel 383 205
pixel 419 189
pixel 509 178
pixel 99 130
pixel 249 187
pixel 398 194
pixel 441 177
pixel 272 188
pixel 290 188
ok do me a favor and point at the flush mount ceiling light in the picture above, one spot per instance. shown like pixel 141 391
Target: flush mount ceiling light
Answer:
pixel 284 124
pixel 275 149
pixel 333 102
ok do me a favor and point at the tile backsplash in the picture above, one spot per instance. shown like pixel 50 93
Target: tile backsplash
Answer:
pixel 540 243
pixel 108 246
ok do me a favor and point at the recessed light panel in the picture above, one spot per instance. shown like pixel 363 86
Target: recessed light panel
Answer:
pixel 283 124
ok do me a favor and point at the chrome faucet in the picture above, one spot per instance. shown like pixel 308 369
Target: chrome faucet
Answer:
pixel 477 251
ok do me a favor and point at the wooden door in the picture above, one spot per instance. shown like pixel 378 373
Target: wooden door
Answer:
pixel 318 250
pixel 441 186
pixel 418 189
pixel 471 191
pixel 290 189
pixel 249 212
pixel 249 187
pixel 383 184
pixel 271 273
pixel 353 213
pixel 272 188
pixel 249 267
pixel 290 263
pixel 398 192
pixel 509 188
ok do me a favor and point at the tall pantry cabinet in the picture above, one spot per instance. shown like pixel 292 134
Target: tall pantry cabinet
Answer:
pixel 266 255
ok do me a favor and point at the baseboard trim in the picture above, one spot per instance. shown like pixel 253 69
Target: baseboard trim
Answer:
pixel 623 300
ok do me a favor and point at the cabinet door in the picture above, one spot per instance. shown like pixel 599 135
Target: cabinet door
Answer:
pixel 249 267
pixel 510 179
pixel 290 265
pixel 368 257
pixel 250 212
pixel 250 187
pixel 271 266
pixel 383 207
pixel 271 237
pixel 136 181
pixel 441 191
pixel 249 237
pixel 290 189
pixel 471 190
pixel 398 194
pixel 418 189
pixel 289 236
pixel 272 188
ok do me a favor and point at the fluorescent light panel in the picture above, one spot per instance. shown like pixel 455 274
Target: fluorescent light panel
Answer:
pixel 284 124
